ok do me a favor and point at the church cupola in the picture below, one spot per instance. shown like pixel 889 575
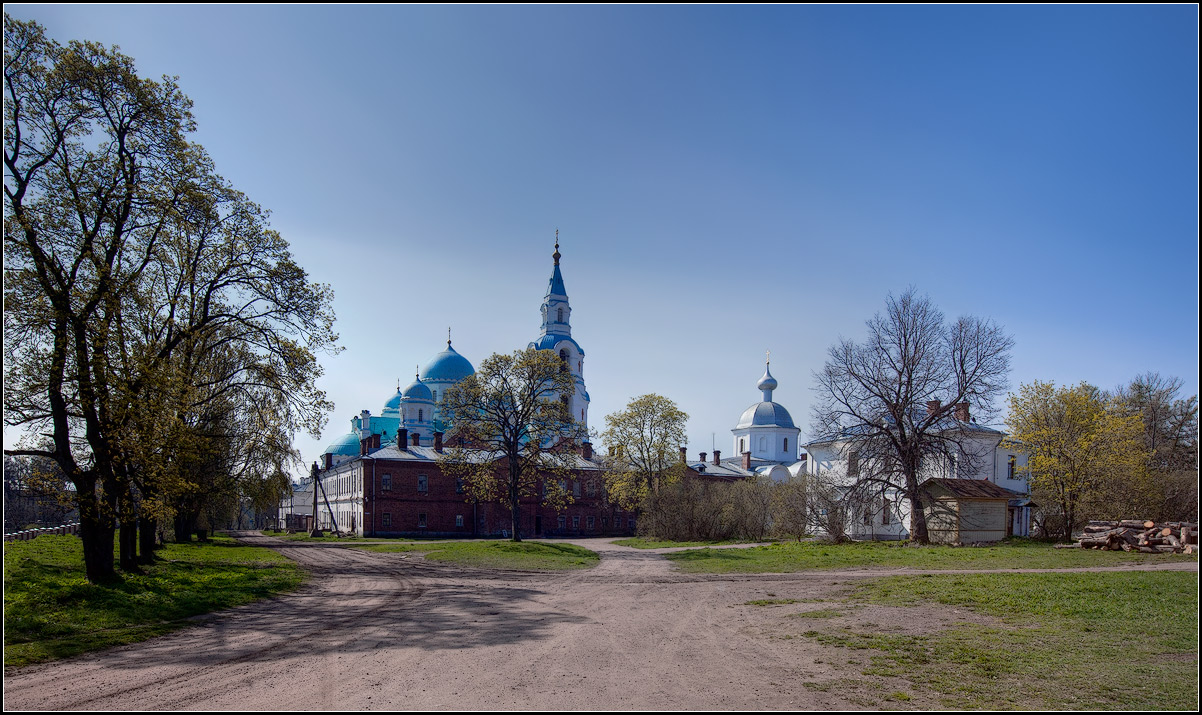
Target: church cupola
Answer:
pixel 766 429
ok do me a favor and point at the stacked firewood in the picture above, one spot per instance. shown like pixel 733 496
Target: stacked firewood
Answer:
pixel 1147 537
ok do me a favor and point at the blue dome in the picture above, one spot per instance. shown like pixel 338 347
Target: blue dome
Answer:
pixel 418 391
pixel 550 340
pixel 347 445
pixel 765 414
pixel 447 365
pixel 395 402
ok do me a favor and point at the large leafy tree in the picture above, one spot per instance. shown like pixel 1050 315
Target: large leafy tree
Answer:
pixel 143 295
pixel 1078 439
pixel 892 398
pixel 512 435
pixel 1170 440
pixel 643 442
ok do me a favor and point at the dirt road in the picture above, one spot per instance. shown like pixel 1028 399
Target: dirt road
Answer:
pixel 391 631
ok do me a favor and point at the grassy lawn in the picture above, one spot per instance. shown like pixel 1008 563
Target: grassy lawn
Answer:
pixel 787 557
pixel 51 611
pixel 640 542
pixel 1079 641
pixel 522 556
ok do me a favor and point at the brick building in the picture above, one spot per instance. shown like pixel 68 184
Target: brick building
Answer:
pixel 402 491
pixel 383 477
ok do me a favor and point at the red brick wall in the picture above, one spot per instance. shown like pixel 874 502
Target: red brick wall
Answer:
pixel 441 503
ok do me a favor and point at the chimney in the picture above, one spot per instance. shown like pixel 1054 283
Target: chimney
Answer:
pixel 684 455
pixel 375 441
pixel 586 450
pixel 416 440
pixel 438 441
pixel 747 461
pixel 402 439
pixel 703 457
pixel 962 411
pixel 717 457
pixel 932 406
pixel 363 446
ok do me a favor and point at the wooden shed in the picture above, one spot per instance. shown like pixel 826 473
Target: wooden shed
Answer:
pixel 964 510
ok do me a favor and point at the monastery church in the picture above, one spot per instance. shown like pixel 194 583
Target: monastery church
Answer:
pixel 383 477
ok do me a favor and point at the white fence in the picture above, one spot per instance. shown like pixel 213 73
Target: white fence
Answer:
pixel 28 534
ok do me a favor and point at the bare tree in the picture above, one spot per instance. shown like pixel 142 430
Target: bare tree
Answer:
pixel 512 431
pixel 893 400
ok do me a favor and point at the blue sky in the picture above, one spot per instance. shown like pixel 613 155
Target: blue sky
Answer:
pixel 725 180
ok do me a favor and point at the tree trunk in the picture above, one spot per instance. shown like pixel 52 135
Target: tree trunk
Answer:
pixel 146 531
pixel 96 532
pixel 185 524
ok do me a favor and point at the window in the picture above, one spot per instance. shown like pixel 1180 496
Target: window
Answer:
pixel 1010 467
pixel 591 522
pixel 563 522
pixel 421 521
pixel 591 489
pixel 423 483
pixel 867 516
pixel 458 485
pixel 786 444
pixel 853 464
pixel 575 488
pixel 575 522
pixel 387 520
pixel 459 520
pixel 387 483
pixel 434 394
pixel 604 521
pixel 630 522
pixel 420 415
pixel 742 449
pixel 885 510
pixel 561 315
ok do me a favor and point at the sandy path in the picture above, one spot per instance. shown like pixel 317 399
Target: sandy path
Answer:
pixel 392 631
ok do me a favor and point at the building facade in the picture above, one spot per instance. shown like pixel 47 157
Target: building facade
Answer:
pixel 383 477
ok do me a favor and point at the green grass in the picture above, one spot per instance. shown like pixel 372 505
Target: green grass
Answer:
pixel 641 542
pixel 523 556
pixel 793 556
pixel 1080 641
pixel 51 611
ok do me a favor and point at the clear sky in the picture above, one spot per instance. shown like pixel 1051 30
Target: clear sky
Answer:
pixel 725 180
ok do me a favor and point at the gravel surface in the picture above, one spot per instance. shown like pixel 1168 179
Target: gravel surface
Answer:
pixel 392 631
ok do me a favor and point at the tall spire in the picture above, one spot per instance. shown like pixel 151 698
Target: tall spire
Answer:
pixel 555 309
pixel 448 336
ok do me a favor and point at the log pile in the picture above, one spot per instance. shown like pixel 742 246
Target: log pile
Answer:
pixel 1148 537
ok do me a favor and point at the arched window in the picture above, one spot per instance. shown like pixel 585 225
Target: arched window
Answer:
pixel 786 444
pixel 420 418
pixel 561 315
pixel 742 447
pixel 563 355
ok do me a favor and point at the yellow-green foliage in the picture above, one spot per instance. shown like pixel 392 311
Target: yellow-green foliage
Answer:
pixel 643 441
pixel 1077 440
